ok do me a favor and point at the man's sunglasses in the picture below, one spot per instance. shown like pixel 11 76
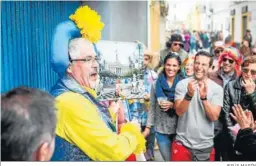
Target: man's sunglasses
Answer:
pixel 218 51
pixel 253 72
pixel 229 60
pixel 175 44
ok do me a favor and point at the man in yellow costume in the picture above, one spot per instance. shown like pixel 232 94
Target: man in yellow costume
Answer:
pixel 85 129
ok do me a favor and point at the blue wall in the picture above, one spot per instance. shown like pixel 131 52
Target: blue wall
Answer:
pixel 26 34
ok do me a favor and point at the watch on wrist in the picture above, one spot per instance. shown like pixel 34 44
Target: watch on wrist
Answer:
pixel 187 97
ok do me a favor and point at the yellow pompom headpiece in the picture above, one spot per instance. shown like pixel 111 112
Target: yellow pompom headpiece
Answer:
pixel 89 22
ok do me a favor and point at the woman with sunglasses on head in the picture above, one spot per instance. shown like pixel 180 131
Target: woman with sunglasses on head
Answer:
pixel 240 91
pixel 162 112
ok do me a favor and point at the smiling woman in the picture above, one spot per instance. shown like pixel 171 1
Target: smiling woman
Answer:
pixel 171 66
pixel 162 113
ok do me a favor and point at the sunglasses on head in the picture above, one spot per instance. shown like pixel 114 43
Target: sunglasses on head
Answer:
pixel 218 51
pixel 253 72
pixel 175 44
pixel 229 60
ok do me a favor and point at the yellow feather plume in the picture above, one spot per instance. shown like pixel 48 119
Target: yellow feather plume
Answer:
pixel 89 22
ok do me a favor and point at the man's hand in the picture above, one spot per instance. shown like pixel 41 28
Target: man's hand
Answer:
pixel 166 105
pixel 240 117
pixel 249 86
pixel 192 85
pixel 146 132
pixel 250 117
pixel 115 106
pixel 203 89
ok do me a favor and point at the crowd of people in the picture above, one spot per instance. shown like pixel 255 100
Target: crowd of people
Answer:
pixel 198 40
pixel 199 105
pixel 195 97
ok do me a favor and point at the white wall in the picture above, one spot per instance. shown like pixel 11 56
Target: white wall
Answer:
pixel 238 20
pixel 181 11
pixel 221 17
pixel 162 32
pixel 252 23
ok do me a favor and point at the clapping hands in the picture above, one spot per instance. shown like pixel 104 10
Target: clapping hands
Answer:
pixel 203 89
pixel 243 118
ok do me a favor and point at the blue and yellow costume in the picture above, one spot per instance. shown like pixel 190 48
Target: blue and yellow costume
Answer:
pixel 85 129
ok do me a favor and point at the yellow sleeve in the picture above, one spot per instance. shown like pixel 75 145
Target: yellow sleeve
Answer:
pixel 79 123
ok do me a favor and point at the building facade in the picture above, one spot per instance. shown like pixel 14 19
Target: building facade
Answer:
pixel 158 11
pixel 242 17
pixel 117 68
pixel 233 18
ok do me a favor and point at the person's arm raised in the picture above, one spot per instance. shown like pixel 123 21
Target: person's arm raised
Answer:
pixel 212 110
pixel 184 97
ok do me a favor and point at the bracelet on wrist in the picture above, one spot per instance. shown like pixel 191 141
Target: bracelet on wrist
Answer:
pixel 187 97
